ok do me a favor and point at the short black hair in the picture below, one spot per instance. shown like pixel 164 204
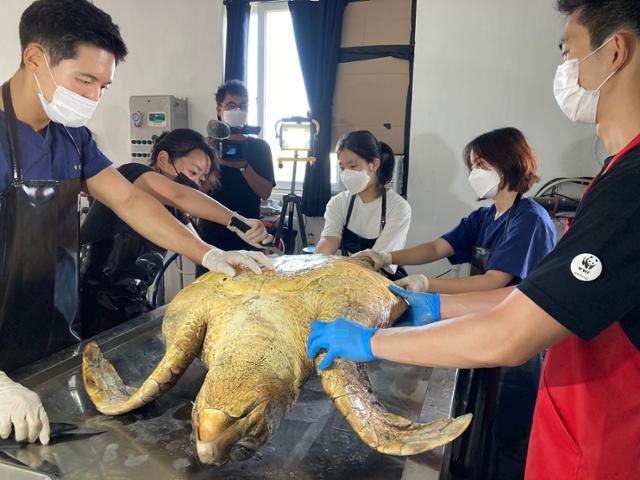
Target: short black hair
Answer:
pixel 367 147
pixel 61 25
pixel 506 150
pixel 603 18
pixel 231 87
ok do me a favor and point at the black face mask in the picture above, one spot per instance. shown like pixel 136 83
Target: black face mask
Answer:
pixel 182 179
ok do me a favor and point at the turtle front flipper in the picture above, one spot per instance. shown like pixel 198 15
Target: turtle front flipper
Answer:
pixel 109 393
pixel 348 385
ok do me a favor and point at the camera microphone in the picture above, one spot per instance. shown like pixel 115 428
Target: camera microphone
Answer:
pixel 218 130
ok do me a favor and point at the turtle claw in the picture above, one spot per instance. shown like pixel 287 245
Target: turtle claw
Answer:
pixel 423 437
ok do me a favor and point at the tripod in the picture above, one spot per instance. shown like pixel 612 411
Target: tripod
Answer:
pixel 292 205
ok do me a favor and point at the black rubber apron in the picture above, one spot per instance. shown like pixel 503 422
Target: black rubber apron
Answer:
pixel 39 225
pixel 116 274
pixel 502 401
pixel 480 256
pixel 353 243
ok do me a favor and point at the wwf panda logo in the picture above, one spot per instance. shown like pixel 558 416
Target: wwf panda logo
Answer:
pixel 586 267
pixel 590 262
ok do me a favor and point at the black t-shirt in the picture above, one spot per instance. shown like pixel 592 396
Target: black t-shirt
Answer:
pixel 602 246
pixel 236 194
pixel 101 223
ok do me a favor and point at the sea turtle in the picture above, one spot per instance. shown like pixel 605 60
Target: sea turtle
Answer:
pixel 250 333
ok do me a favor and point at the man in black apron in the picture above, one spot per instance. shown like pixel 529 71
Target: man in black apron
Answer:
pixel 69 53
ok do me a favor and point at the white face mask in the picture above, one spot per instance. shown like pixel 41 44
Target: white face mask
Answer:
pixel 355 181
pixel 577 103
pixel 67 107
pixel 484 182
pixel 235 118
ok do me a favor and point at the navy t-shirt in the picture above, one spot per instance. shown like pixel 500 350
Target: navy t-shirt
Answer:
pixel 530 238
pixel 52 155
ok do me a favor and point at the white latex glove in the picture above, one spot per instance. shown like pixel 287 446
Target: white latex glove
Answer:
pixel 414 283
pixel 379 259
pixel 217 260
pixel 256 236
pixel 22 409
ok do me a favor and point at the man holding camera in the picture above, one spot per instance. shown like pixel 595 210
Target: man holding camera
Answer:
pixel 246 167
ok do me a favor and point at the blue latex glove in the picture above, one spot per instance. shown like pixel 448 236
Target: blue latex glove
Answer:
pixel 340 338
pixel 424 307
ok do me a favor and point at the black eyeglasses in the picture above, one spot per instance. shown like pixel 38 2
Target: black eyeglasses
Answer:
pixel 232 106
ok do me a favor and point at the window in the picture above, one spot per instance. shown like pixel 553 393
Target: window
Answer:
pixel 275 82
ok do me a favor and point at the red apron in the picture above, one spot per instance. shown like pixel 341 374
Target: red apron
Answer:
pixel 586 423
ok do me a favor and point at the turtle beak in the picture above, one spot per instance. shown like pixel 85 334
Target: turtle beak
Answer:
pixel 214 453
pixel 237 431
pixel 221 438
pixel 211 427
pixel 210 454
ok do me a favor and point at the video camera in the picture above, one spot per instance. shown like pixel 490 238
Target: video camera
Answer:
pixel 230 150
pixel 233 150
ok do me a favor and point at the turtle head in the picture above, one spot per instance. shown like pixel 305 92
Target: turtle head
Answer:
pixel 233 425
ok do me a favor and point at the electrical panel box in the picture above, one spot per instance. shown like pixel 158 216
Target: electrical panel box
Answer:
pixel 151 116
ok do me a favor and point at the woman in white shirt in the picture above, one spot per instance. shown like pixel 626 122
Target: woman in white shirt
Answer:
pixel 367 215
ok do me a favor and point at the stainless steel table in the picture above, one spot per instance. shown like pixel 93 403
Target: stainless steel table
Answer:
pixel 156 442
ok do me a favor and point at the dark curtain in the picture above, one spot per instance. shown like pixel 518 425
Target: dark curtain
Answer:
pixel 318 30
pixel 238 15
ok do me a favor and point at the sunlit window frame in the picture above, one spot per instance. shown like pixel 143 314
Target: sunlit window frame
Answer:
pixel 259 12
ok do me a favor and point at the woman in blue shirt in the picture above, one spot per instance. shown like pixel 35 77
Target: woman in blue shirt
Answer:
pixel 503 243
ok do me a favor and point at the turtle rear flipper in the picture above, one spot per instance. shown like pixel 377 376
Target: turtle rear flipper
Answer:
pixel 348 386
pixel 109 393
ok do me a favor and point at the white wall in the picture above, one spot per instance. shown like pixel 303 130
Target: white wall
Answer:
pixel 10 12
pixel 479 66
pixel 175 48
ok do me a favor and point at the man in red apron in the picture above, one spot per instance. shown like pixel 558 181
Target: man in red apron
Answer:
pixel 583 300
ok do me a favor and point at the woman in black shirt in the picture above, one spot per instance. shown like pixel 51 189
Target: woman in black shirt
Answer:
pixel 117 264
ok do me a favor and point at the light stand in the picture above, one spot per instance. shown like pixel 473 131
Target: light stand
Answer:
pixel 292 205
pixel 289 132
